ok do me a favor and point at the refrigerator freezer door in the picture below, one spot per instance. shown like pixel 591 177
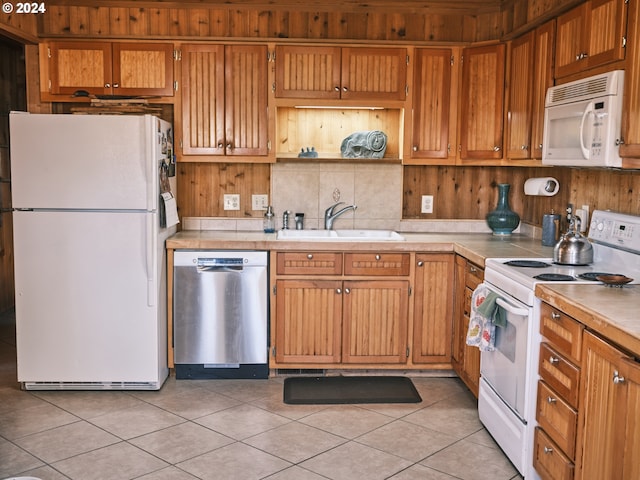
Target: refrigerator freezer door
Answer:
pixel 82 301
pixel 103 162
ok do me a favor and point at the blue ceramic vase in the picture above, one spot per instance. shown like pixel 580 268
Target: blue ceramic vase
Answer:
pixel 503 220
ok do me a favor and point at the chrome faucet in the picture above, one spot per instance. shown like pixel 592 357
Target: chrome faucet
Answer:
pixel 330 215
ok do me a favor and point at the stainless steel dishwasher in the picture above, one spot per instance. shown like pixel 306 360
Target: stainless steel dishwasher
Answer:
pixel 220 314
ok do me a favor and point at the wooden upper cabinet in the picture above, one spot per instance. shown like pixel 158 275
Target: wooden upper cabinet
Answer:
pixel 224 100
pixel 433 122
pixel 545 38
pixel 590 35
pixel 307 72
pixel 631 111
pixel 104 68
pixel 482 98
pixel 348 73
pixel 521 56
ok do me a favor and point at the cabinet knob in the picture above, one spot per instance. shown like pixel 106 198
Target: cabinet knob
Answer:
pixel 220 144
pixel 617 379
pixel 310 256
pixel 420 263
pixel 555 316
pixel 496 148
pixel 116 85
pixel 548 450
pixel 229 145
pixel 378 257
pixel 524 147
pixel 345 89
pixel 551 400
pixel 107 85
pixel 338 291
pixel 553 360
pixel 337 89
pixel 347 291
pixel 415 148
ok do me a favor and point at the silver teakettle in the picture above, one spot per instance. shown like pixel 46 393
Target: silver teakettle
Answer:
pixel 573 248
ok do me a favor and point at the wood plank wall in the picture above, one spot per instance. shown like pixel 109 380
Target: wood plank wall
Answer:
pixel 469 192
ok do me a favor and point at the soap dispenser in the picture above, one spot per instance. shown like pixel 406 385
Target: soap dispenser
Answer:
pixel 269 222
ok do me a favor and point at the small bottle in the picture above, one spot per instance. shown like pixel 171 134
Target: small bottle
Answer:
pixel 269 222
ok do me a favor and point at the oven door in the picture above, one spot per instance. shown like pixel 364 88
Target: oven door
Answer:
pixel 505 368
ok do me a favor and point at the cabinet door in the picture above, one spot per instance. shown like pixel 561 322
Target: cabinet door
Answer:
pixel 246 100
pixel 545 37
pixel 629 426
pixel 374 328
pixel 631 110
pixel 607 22
pixel 80 66
pixel 520 97
pixel 307 72
pixel 374 73
pixel 308 321
pixel 602 391
pixel 570 48
pixel 143 69
pixel 203 99
pixel 482 97
pixel 433 308
pixel 431 103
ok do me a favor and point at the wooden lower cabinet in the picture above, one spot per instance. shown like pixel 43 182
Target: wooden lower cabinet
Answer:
pixel 549 460
pixel 608 423
pixel 433 308
pixel 465 359
pixel 361 309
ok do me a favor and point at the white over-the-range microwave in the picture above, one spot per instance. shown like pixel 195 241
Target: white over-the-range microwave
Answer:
pixel 582 122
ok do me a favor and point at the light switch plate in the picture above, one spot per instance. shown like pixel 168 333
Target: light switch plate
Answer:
pixel 427 204
pixel 259 202
pixel 232 201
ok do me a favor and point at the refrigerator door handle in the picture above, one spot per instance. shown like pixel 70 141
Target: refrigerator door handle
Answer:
pixel 151 246
pixel 153 172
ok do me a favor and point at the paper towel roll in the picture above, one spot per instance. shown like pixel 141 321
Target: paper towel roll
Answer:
pixel 545 186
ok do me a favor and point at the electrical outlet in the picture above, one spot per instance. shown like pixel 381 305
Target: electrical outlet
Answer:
pixel 232 201
pixel 583 213
pixel 259 202
pixel 427 204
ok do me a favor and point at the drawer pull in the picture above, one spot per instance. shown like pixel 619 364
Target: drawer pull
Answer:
pixel 310 256
pixel 378 257
pixel 553 360
pixel 338 291
pixel 617 379
pixel 473 269
pixel 548 450
pixel 555 316
pixel 347 291
pixel 551 400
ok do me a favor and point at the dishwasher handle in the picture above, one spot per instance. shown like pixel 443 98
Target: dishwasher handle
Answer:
pixel 219 268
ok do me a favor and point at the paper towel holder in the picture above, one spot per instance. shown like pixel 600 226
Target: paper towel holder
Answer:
pixel 545 186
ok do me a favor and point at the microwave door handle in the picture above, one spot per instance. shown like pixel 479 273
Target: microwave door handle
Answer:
pixel 587 111
pixel 522 312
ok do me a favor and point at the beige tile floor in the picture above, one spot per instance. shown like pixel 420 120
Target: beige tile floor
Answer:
pixel 238 429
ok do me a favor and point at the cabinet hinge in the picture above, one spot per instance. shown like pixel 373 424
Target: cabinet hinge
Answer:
pixel 49 84
pixel 448 148
pixel 274 289
pixel 175 85
pixel 406 90
pixel 177 54
pixel 407 59
pixel 269 145
pixel 273 351
pixel 410 290
pixel 48 52
pixel 624 42
pixel 271 56
pixel 408 351
pixel 181 144
pixel 452 60
pixel 273 87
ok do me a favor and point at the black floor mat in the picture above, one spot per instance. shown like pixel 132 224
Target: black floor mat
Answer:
pixel 356 389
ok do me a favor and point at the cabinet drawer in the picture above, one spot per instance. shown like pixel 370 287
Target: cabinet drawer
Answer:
pixel 562 331
pixel 389 264
pixel 560 374
pixel 557 418
pixel 474 275
pixel 309 263
pixel 548 460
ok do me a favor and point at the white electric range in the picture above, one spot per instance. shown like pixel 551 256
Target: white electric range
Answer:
pixel 508 384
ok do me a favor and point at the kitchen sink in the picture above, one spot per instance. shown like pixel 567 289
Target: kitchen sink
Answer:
pixel 346 235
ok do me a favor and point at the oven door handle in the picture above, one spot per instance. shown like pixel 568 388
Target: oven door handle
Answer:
pixel 523 312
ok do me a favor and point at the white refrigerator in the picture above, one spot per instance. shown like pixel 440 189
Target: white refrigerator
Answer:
pixel 90 261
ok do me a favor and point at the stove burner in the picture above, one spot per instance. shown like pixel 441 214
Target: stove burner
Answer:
pixel 592 276
pixel 527 263
pixel 554 277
